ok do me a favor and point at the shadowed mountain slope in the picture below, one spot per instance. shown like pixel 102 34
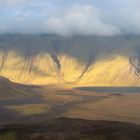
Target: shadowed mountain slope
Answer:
pixel 9 89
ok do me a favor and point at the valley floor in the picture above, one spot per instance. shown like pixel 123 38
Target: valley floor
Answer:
pixel 42 103
pixel 34 112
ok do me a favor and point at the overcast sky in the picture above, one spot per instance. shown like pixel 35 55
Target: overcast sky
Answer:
pixel 68 17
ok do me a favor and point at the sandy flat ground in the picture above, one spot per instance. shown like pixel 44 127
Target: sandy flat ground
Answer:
pixel 119 108
pixel 58 101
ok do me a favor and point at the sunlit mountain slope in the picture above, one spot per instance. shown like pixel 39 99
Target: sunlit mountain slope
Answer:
pixel 44 59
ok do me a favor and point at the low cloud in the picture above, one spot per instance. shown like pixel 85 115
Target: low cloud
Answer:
pixel 80 19
pixel 90 17
pixel 12 2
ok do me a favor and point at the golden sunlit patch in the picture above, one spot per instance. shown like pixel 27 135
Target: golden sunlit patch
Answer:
pixel 30 109
pixel 43 70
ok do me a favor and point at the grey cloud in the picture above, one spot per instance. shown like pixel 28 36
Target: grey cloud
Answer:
pixel 12 2
pixel 80 19
pixel 93 17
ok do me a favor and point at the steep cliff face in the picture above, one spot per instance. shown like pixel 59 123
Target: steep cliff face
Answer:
pixel 76 60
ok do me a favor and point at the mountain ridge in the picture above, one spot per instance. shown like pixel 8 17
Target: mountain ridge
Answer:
pixel 77 60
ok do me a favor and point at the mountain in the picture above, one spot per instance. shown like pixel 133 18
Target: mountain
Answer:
pixel 81 60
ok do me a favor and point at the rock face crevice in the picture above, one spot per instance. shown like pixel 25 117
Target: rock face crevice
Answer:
pixel 87 66
pixel 28 66
pixel 135 62
pixel 135 65
pixel 3 60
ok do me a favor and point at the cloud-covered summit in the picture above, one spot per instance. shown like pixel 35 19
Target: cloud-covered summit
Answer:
pixel 80 19
pixel 90 17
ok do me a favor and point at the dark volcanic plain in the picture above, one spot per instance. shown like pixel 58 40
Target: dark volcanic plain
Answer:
pixel 72 129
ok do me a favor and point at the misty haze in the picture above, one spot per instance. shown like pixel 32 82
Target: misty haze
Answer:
pixel 69 70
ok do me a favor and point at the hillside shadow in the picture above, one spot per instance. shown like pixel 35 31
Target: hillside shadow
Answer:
pixel 72 129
